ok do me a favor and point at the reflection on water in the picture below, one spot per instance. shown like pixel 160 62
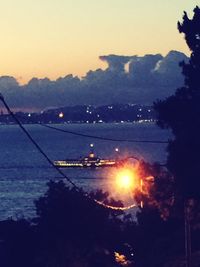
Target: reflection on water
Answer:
pixel 24 172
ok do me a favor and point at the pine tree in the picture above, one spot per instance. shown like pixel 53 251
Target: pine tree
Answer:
pixel 181 113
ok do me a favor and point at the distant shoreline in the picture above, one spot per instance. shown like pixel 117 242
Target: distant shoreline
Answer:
pixel 86 123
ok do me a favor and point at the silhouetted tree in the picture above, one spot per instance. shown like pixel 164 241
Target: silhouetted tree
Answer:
pixel 70 229
pixel 73 230
pixel 157 189
pixel 181 113
pixel 159 231
pixel 18 245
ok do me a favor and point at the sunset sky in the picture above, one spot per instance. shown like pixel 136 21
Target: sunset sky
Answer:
pixel 52 38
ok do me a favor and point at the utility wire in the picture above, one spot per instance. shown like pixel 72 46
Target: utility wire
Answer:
pixel 104 138
pixel 35 143
pixel 108 139
pixel 51 163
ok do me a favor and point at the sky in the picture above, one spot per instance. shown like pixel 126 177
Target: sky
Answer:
pixel 53 38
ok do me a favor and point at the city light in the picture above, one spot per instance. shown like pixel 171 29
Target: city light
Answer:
pixel 61 115
pixel 121 259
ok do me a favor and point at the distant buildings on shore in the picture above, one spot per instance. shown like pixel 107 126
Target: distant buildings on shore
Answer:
pixel 86 114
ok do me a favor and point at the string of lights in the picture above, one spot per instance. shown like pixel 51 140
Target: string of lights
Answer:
pixel 105 138
pixel 116 208
pixel 55 167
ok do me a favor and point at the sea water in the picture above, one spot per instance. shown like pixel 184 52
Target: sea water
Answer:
pixel 24 172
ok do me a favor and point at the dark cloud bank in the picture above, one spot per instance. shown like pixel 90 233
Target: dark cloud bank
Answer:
pixel 128 79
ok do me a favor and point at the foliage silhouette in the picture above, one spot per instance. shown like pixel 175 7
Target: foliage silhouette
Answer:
pixel 181 113
pixel 76 230
pixel 72 230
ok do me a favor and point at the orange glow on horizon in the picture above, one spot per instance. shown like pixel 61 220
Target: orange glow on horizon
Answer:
pixel 55 38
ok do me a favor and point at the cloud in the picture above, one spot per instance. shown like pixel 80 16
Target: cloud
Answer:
pixel 8 83
pixel 116 63
pixel 142 81
pixel 141 69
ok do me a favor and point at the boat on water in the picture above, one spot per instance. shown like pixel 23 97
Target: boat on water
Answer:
pixel 90 161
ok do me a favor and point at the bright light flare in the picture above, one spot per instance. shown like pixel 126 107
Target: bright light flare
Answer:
pixel 126 179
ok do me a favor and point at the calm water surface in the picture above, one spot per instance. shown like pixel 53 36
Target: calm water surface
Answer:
pixel 24 172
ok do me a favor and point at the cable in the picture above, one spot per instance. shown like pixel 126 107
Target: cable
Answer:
pixel 51 163
pixel 35 143
pixel 104 138
pixel 109 139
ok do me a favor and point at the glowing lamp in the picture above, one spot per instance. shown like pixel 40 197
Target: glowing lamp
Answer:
pixel 126 179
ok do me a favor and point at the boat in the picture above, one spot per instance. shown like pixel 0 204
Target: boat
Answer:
pixel 90 161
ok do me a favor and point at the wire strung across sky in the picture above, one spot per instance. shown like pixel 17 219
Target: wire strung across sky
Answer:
pixel 55 167
pixel 105 138
pixel 35 143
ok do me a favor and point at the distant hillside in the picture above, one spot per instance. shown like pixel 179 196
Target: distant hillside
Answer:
pixel 86 114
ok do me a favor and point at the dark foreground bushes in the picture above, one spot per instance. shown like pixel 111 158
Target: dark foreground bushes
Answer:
pixel 71 230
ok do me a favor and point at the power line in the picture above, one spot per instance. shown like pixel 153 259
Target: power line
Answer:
pixel 109 139
pixel 104 138
pixel 35 143
pixel 51 163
